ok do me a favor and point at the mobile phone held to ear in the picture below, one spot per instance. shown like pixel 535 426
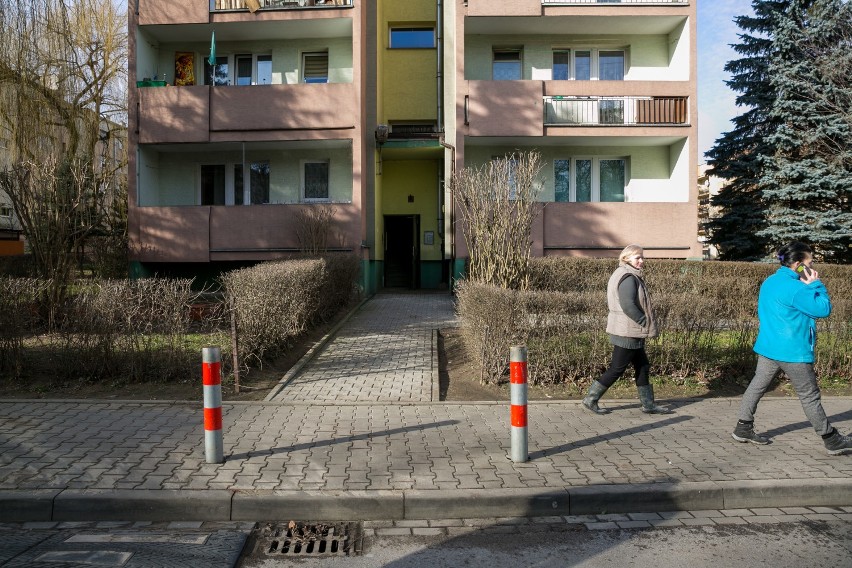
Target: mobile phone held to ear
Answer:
pixel 803 270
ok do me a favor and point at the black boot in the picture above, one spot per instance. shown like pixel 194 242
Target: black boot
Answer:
pixel 590 402
pixel 646 397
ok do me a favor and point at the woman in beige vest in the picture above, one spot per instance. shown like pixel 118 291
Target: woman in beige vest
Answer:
pixel 630 322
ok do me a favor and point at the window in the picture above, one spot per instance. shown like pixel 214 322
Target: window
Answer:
pixel 512 188
pixel 227 184
pixel 243 65
pixel 583 180
pixel 561 65
pixel 213 184
pixel 217 74
pixel 264 69
pixel 507 65
pixel 588 65
pixel 611 65
pixel 315 67
pixel 583 65
pixel 5 211
pixel 315 180
pixel 562 180
pixel 412 38
pixel 258 184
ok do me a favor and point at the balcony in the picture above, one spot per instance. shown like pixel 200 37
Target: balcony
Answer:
pixel 254 5
pixel 205 233
pixel 628 2
pixel 190 114
pixel 616 111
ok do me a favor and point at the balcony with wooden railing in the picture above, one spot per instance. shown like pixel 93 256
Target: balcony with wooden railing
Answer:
pixel 616 111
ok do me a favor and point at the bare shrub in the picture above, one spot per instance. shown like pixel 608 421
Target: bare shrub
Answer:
pixel 135 330
pixel 706 311
pixel 275 302
pixel 313 228
pixel 498 206
pixel 18 320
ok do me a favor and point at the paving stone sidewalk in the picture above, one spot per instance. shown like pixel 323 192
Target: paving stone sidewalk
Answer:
pixel 386 352
pixel 358 434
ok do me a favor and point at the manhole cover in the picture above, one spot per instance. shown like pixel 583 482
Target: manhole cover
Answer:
pixel 307 539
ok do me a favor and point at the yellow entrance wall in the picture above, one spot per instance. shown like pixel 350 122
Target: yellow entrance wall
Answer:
pixel 418 178
pixel 407 84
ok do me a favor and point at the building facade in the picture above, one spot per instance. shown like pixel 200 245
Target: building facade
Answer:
pixel 251 115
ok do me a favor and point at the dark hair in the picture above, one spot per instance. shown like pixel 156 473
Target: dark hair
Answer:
pixel 794 252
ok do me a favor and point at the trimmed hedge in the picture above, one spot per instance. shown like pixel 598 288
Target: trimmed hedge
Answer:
pixel 275 302
pixel 706 313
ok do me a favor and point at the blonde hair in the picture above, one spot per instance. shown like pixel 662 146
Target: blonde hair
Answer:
pixel 629 251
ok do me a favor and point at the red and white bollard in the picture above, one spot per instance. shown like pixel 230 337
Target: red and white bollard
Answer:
pixel 518 379
pixel 211 371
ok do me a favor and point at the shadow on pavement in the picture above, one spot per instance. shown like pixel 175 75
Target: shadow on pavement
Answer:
pixel 340 440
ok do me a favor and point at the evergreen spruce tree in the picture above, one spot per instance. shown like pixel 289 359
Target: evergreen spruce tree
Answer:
pixel 738 155
pixel 807 182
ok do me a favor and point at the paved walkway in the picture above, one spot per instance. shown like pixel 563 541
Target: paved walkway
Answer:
pixel 386 352
pixel 349 460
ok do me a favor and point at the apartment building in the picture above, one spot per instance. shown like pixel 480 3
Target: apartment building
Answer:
pixel 249 113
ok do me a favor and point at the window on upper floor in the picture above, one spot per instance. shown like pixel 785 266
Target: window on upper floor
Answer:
pixel 587 179
pixel 507 64
pixel 230 184
pixel 412 37
pixel 315 67
pixel 5 211
pixel 315 180
pixel 239 69
pixel 588 65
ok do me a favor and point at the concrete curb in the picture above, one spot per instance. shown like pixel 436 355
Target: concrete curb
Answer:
pixel 312 352
pixel 225 505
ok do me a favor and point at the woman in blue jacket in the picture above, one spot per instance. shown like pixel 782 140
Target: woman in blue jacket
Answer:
pixel 788 306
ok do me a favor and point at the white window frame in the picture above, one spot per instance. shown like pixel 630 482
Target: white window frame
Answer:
pixel 232 67
pixel 230 182
pixel 305 55
pixel 518 50
pixel 302 164
pixel 594 61
pixel 596 177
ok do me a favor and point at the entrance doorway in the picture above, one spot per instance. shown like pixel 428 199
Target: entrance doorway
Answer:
pixel 402 251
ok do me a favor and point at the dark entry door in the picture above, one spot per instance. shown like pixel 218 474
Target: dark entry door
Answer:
pixel 402 251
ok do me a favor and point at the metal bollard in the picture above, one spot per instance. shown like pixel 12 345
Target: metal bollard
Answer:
pixel 211 371
pixel 518 378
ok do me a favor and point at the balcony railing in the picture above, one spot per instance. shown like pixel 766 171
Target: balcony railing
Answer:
pixel 573 2
pixel 226 5
pixel 615 111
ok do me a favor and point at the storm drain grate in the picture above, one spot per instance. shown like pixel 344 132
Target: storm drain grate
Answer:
pixel 303 539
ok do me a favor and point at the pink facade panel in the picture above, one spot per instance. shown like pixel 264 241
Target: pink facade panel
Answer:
pixel 171 12
pixel 239 230
pixel 171 234
pixel 505 108
pixel 668 226
pixel 284 107
pixel 504 7
pixel 173 114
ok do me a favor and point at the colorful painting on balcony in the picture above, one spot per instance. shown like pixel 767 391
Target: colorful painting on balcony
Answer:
pixel 184 68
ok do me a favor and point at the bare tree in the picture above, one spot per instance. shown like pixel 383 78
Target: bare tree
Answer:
pixel 63 107
pixel 498 207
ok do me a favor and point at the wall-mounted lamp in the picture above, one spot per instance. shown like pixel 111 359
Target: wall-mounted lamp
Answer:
pixel 382 132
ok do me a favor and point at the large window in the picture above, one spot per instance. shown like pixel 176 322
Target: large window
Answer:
pixel 217 74
pixel 412 38
pixel 315 180
pixel 588 65
pixel 240 69
pixel 230 184
pixel 589 179
pixel 315 67
pixel 507 65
